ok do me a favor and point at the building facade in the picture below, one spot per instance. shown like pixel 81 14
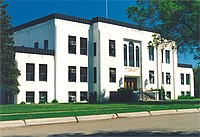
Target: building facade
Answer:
pixel 69 59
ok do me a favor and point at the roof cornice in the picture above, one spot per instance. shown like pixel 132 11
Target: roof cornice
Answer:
pixel 80 20
pixel 50 17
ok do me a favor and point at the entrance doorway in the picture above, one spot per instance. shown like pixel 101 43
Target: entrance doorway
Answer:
pixel 130 83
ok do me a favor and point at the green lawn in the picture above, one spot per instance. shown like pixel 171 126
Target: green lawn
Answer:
pixel 30 111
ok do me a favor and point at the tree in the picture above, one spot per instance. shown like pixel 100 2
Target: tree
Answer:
pixel 197 81
pixel 8 69
pixel 176 20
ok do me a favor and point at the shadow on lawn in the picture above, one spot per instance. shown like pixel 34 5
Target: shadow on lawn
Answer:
pixel 134 133
pixel 165 102
pixel 141 133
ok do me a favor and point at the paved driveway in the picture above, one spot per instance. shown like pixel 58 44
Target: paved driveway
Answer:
pixel 165 125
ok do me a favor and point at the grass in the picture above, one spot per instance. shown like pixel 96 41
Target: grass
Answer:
pixel 31 111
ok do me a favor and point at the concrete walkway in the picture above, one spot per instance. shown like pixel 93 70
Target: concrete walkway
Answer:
pixel 43 121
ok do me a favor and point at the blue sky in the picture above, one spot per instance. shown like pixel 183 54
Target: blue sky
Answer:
pixel 23 11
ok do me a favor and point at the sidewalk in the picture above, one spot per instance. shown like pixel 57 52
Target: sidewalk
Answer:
pixel 74 119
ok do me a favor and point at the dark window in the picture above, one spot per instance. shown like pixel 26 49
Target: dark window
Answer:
pixel 168 78
pixel 42 96
pixel 83 46
pixel 182 79
pixel 187 79
pixel 72 74
pixel 36 45
pixel 182 93
pixel 45 44
pixel 83 96
pixel 169 94
pixel 72 96
pixel 151 77
pixel 151 53
pixel 137 56
pixel 131 54
pixel 112 72
pixel 125 55
pixel 167 56
pixel 95 74
pixel 162 55
pixel 163 78
pixel 30 72
pixel 83 74
pixel 30 97
pixel 188 93
pixel 95 48
pixel 112 48
pixel 72 44
pixel 43 72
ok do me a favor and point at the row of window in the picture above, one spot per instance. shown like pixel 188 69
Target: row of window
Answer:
pixel 72 74
pixel 188 93
pixel 30 72
pixel 83 74
pixel 46 44
pixel 132 62
pixel 43 96
pixel 30 96
pixel 167 55
pixel 72 45
pixel 152 77
pixel 183 79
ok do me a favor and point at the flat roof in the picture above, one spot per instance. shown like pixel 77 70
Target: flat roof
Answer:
pixel 184 65
pixel 21 49
pixel 79 20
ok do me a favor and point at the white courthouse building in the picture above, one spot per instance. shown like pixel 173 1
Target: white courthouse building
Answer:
pixel 69 59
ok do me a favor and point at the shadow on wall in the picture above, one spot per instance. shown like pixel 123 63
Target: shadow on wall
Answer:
pixel 135 133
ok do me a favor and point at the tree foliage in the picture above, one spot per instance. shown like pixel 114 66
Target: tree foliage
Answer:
pixel 8 70
pixel 177 20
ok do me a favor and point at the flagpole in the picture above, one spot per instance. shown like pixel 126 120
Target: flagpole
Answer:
pixel 106 8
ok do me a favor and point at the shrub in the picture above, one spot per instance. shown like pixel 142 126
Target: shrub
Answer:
pixel 23 102
pixel 54 101
pixel 185 97
pixel 42 102
pixel 123 95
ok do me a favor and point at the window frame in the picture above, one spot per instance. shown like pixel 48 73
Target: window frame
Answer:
pixel 95 74
pixel 71 73
pixel 182 78
pixel 151 53
pixel 83 74
pixel 137 50
pixel 83 46
pixel 72 44
pixel 43 75
pixel 73 94
pixel 131 54
pixel 112 75
pixel 83 98
pixel 151 77
pixel 168 78
pixel 112 48
pixel 28 97
pixel 94 48
pixel 125 55
pixel 36 45
pixel 167 56
pixel 187 79
pixel 168 93
pixel 40 97
pixel 46 44
pixel 30 76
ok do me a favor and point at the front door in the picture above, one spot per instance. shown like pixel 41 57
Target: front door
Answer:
pixel 130 83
